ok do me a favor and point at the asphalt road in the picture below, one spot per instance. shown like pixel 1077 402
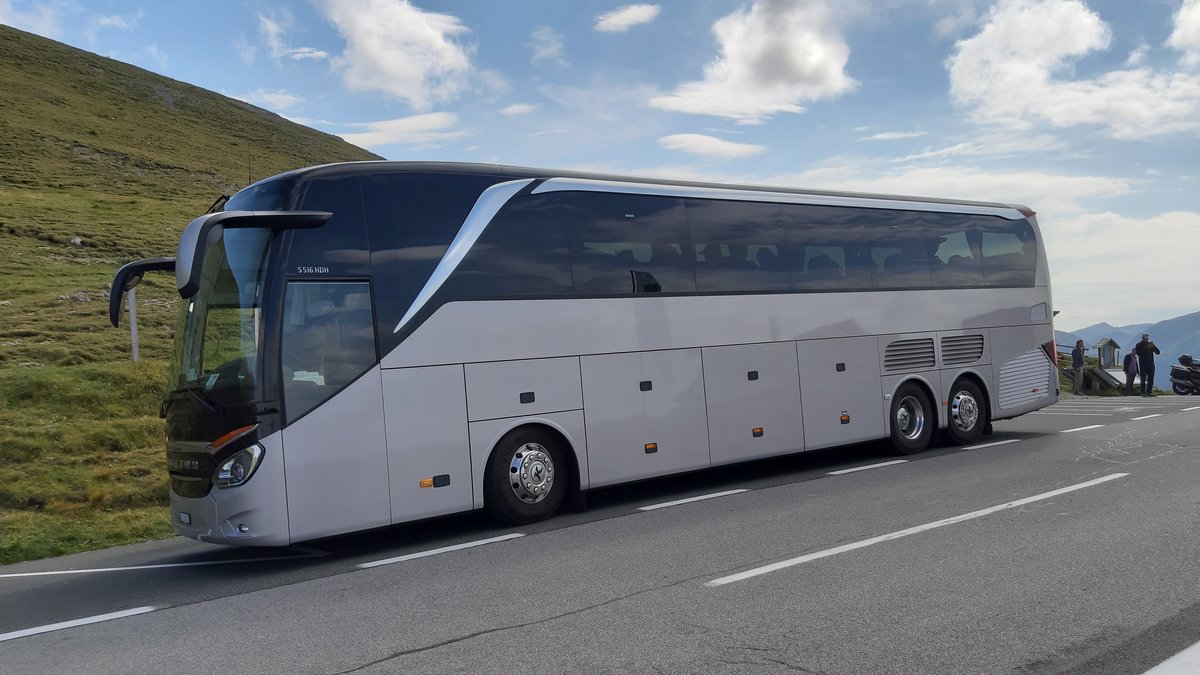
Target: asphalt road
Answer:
pixel 1069 543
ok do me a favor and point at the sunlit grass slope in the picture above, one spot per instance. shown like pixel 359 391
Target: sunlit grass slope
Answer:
pixel 101 163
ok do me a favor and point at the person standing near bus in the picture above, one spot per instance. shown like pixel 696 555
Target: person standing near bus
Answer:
pixel 1077 365
pixel 1145 353
pixel 1130 366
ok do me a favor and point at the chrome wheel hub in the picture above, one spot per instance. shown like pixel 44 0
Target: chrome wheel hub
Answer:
pixel 964 411
pixel 910 418
pixel 531 473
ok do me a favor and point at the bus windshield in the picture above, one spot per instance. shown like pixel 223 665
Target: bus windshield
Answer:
pixel 219 333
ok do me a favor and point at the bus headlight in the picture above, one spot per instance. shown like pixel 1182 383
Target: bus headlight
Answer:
pixel 239 467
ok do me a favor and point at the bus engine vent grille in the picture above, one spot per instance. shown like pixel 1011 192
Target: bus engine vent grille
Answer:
pixel 1024 379
pixel 961 349
pixel 908 355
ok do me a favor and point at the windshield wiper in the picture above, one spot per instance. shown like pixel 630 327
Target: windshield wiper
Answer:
pixel 218 205
pixel 204 400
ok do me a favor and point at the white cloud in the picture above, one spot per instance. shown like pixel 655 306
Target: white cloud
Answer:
pixel 1082 273
pixel 955 23
pixel 301 53
pixel 997 145
pixel 40 18
pixel 272 100
pixel 97 23
pixel 1186 35
pixel 1138 55
pixel 518 109
pixel 429 130
pixel 774 56
pixel 246 52
pixel 893 135
pixel 401 51
pixel 547 46
pixel 1016 72
pixel 708 146
pixel 622 19
pixel 274 28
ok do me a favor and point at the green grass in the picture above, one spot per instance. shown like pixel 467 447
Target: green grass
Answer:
pixel 102 163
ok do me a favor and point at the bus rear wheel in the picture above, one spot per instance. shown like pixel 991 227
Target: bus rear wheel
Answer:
pixel 967 414
pixel 912 419
pixel 526 479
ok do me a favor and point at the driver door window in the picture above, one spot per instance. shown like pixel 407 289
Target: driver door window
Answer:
pixel 328 341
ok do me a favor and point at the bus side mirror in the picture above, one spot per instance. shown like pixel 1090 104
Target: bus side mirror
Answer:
pixel 129 276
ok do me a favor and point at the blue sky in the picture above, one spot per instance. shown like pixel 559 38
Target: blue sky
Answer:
pixel 1086 111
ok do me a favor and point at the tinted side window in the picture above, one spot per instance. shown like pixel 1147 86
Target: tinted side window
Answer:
pixel 523 251
pixel 899 254
pixel 618 240
pixel 339 247
pixel 411 219
pixel 829 246
pixel 954 240
pixel 1009 251
pixel 739 245
pixel 328 341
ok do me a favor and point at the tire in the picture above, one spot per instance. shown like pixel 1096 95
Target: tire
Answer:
pixel 526 478
pixel 966 414
pixel 912 419
pixel 1181 390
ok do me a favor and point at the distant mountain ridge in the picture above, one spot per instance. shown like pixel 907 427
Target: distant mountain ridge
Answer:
pixel 1180 335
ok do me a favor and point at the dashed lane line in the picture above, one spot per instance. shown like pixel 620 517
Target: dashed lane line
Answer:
pixel 1144 417
pixel 864 468
pixel 437 551
pixel 1186 662
pixel 993 444
pixel 1090 426
pixel 203 563
pixel 792 562
pixel 689 500
pixel 74 622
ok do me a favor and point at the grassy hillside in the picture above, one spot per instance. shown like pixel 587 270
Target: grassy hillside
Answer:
pixel 100 163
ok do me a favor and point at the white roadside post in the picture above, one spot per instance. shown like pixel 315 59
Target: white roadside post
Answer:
pixel 133 338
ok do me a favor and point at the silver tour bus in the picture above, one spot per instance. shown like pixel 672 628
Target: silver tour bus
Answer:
pixel 371 343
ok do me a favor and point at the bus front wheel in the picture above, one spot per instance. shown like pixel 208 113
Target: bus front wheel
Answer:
pixel 966 413
pixel 912 419
pixel 526 477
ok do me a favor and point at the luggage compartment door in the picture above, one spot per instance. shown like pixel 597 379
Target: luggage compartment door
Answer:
pixel 644 414
pixel 753 398
pixel 841 391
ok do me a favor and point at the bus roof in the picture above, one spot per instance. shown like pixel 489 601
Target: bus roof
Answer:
pixel 516 172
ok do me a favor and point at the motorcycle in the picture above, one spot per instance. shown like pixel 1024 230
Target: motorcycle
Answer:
pixel 1185 377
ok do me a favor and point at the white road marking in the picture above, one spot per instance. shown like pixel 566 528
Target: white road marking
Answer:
pixel 97 570
pixel 1186 662
pixel 76 622
pixel 436 551
pixel 1195 407
pixel 1090 426
pixel 992 445
pixel 774 567
pixel 689 500
pixel 1074 414
pixel 1145 417
pixel 864 468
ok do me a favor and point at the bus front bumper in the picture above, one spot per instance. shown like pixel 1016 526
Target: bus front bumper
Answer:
pixel 252 514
